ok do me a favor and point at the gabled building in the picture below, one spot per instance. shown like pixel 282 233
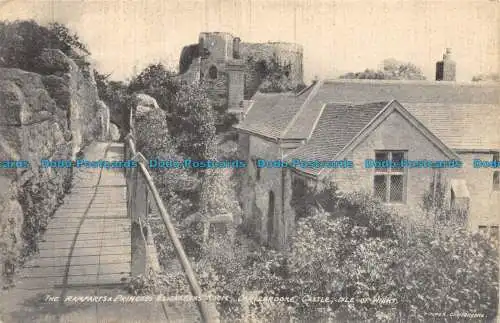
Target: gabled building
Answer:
pixel 356 120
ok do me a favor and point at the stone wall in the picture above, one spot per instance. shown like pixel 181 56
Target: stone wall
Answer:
pixel 219 46
pixel 409 139
pixel 51 115
pixel 257 187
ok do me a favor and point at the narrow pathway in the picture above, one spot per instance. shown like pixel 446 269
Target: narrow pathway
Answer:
pixel 84 252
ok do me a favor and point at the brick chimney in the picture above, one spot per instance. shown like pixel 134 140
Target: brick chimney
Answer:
pixel 446 69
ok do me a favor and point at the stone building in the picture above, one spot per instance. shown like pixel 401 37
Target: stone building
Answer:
pixel 357 120
pixel 234 70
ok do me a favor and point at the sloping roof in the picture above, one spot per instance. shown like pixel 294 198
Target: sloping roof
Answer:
pixel 463 126
pixel 362 91
pixel 272 112
pixel 337 126
pixel 296 122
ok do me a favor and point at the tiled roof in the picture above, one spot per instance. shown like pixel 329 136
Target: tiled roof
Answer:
pixel 465 126
pixel 270 113
pixel 362 91
pixel 281 115
pixel 337 126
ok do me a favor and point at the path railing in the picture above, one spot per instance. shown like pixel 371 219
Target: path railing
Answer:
pixel 141 192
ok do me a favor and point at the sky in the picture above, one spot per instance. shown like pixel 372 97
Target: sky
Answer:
pixel 125 36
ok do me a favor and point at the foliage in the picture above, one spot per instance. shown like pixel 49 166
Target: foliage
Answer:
pixel 228 268
pixel 361 256
pixel 68 41
pixel 392 70
pixel 192 123
pixel 448 272
pixel 157 81
pixel 486 77
pixel 155 142
pixel 275 75
pixel 366 74
pixel 362 250
pixel 310 196
pixel 188 54
pixel 151 284
pixel 153 146
pixel 191 119
pixel 218 194
pixel 22 42
pixel 397 70
pixel 436 206
pixel 112 92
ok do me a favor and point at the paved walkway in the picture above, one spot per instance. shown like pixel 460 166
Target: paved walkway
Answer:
pixel 85 251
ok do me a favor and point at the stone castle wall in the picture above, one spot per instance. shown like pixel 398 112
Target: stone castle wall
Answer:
pixel 193 65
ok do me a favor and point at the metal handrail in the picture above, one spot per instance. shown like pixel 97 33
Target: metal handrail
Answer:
pixel 186 265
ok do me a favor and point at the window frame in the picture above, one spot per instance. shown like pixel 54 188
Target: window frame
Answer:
pixel 388 173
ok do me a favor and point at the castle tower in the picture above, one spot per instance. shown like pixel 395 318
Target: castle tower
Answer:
pixel 446 69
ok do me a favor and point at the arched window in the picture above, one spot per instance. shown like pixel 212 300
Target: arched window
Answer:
pixel 270 218
pixel 212 72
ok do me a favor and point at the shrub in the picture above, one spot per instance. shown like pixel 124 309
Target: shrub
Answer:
pixel 362 250
pixel 23 42
pixel 192 123
pixel 157 81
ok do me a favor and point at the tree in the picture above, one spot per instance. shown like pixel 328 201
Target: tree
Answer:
pixel 192 123
pixel 486 77
pixel 392 69
pixel 23 42
pixel 397 70
pixel 68 41
pixel 275 75
pixel 112 92
pixel 156 80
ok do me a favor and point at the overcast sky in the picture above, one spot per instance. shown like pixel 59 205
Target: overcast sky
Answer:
pixel 337 36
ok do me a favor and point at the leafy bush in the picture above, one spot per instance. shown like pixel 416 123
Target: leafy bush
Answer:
pixel 115 94
pixel 23 42
pixel 157 81
pixel 152 135
pixel 179 188
pixel 362 252
pixel 392 70
pixel 192 123
pixel 275 75
pixel 495 77
pixel 310 196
